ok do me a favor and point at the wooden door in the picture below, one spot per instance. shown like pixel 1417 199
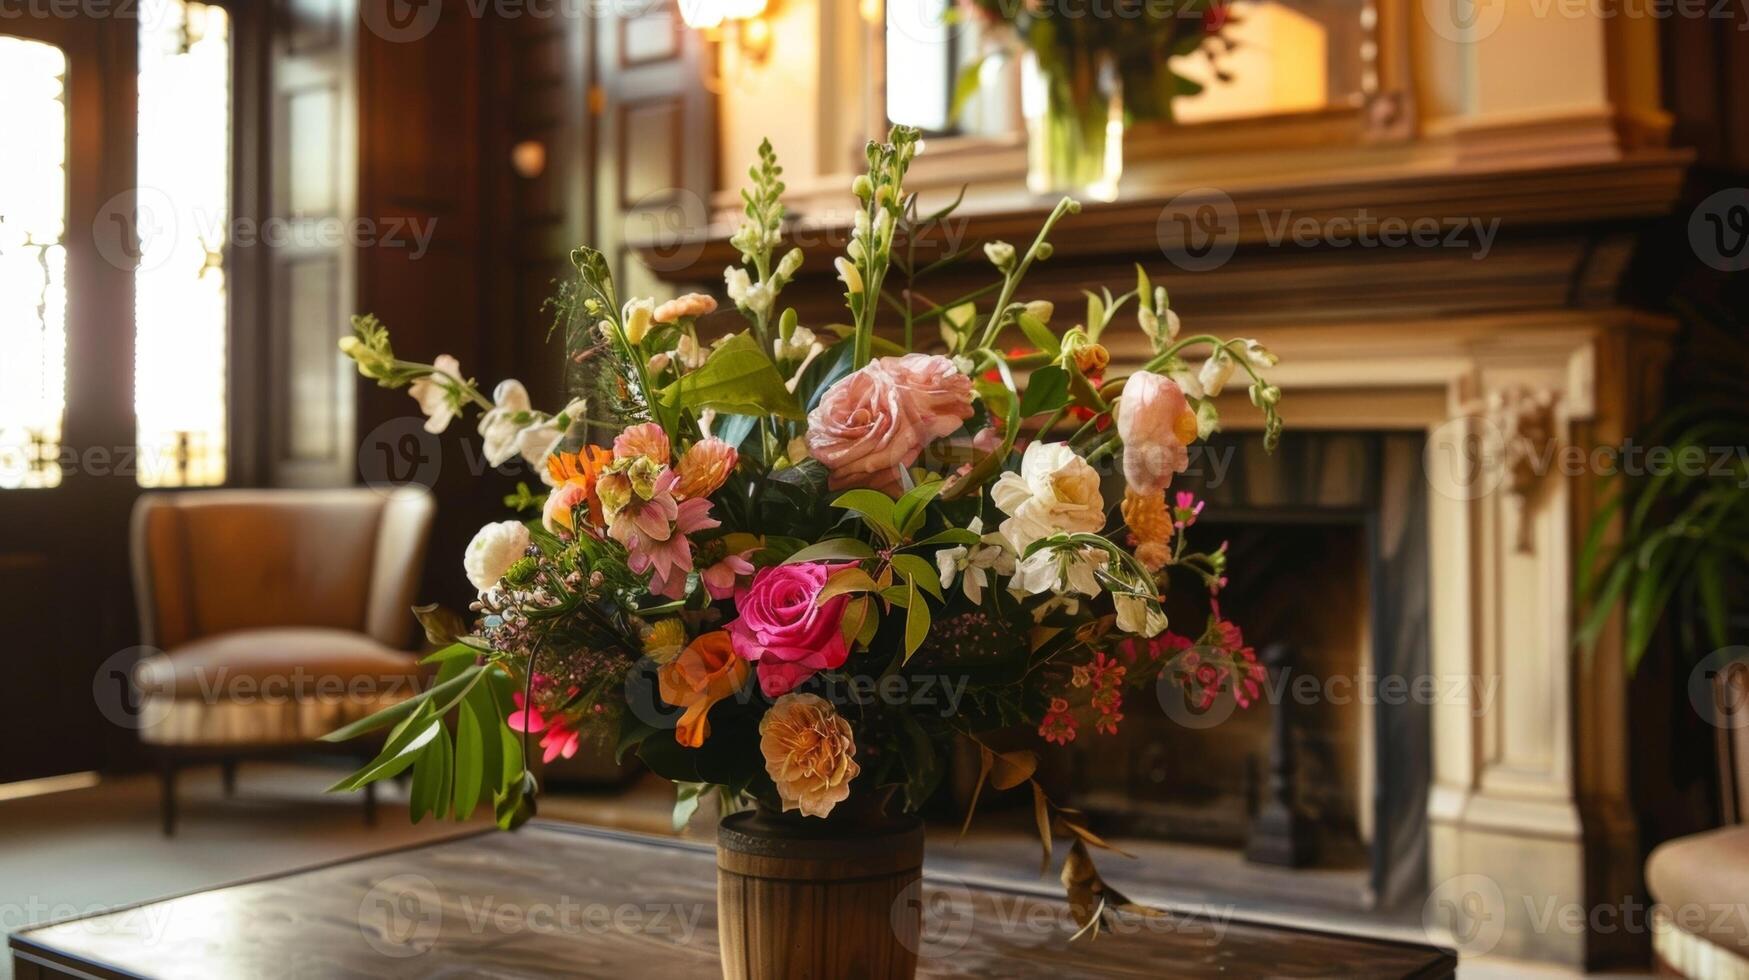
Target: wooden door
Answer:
pixel 65 603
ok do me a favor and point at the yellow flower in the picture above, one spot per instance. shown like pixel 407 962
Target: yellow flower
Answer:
pixel 809 753
pixel 665 640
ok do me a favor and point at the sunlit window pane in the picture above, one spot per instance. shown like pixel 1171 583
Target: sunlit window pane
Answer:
pixel 33 261
pixel 183 213
pixel 920 63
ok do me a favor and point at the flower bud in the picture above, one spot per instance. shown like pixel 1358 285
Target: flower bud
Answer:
pixel 847 272
pixel 637 314
pixel 1041 310
pixel 862 187
pixel 1000 254
pixel 790 264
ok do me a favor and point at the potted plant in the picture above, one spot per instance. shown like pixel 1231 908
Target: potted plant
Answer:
pixel 799 565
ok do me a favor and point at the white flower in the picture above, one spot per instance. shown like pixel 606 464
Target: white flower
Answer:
pixel 506 420
pixel 1055 491
pixel 432 392
pixel 796 347
pixel 494 549
pixel 536 442
pixel 1215 372
pixel 691 353
pixel 991 554
pixel 1064 571
pixel 1139 615
pixel 637 315
pixel 1260 356
pixel 1172 324
pixel 1186 379
pixel 754 297
pixel 847 272
pixel 1000 254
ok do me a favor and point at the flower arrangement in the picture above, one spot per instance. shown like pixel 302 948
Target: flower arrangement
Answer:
pixel 781 515
pixel 1100 68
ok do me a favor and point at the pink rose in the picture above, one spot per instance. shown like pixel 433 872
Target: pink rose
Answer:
pixel 875 422
pixel 1157 424
pixel 783 630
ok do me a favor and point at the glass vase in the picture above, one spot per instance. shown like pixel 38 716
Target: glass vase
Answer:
pixel 1074 129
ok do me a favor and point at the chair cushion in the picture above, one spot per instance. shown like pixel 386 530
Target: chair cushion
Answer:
pixel 272 686
pixel 1701 878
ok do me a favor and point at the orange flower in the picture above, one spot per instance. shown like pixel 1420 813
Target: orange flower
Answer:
pixel 704 468
pixel 809 753
pixel 1148 520
pixel 706 672
pixel 581 469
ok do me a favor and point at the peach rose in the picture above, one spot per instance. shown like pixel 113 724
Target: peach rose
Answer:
pixel 564 500
pixel 875 422
pixel 1157 424
pixel 809 753
pixel 706 672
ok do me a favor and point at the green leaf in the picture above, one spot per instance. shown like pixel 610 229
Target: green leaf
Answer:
pixel 1144 289
pixel 913 507
pixel 1047 389
pixel 441 625
pixel 453 652
pixel 876 509
pixel 843 582
pixel 926 576
pixel 470 752
pixel 1039 333
pixel 399 751
pixel 1095 313
pixel 515 805
pixel 737 378
pixel 916 622
pixel 952 535
pixel 965 85
pixel 431 779
pixel 686 797
pixel 400 712
pixel 833 549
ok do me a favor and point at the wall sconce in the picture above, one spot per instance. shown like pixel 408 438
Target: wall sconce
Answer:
pixel 748 18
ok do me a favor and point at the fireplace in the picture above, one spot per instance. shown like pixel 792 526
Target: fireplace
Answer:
pixel 1329 556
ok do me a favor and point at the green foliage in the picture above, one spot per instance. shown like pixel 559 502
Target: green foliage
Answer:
pixel 738 378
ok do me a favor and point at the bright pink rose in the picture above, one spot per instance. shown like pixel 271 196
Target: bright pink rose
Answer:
pixel 875 422
pixel 783 630
pixel 1157 425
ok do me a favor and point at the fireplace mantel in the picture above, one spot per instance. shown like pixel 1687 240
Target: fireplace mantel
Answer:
pixel 1529 794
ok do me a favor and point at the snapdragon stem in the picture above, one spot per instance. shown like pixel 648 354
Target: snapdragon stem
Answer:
pixel 1009 282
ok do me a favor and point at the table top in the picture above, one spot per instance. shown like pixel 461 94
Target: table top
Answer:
pixel 558 899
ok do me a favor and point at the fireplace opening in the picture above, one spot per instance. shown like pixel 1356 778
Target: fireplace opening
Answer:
pixel 1328 538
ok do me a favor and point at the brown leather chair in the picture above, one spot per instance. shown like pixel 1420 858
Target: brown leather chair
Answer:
pixel 1700 883
pixel 276 616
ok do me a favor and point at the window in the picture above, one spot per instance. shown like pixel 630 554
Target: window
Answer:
pixel 33 262
pixel 928 44
pixel 183 215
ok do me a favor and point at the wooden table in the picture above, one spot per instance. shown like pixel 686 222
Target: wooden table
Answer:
pixel 557 899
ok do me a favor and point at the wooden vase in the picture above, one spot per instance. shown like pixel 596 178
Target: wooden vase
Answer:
pixel 809 899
